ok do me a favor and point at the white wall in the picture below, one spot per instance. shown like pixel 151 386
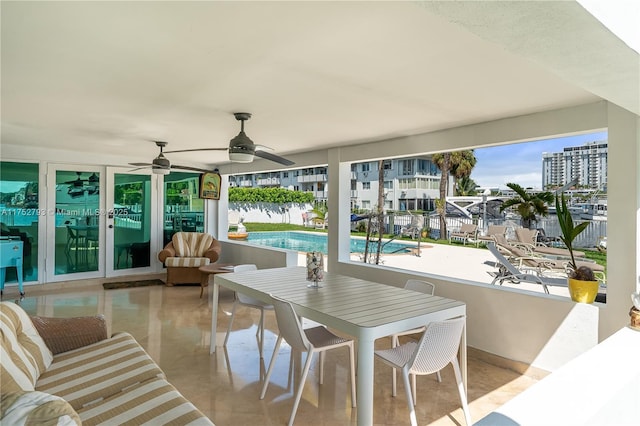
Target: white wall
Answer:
pixel 237 252
pixel 266 212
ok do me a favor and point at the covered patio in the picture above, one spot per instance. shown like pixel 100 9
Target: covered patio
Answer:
pixel 89 86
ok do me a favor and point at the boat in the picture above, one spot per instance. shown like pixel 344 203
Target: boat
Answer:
pixel 594 211
pixel 468 207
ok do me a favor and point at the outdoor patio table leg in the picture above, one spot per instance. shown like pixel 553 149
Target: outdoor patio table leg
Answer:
pixel 365 382
pixel 214 316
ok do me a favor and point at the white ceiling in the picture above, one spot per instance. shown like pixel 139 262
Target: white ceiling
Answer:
pixel 105 77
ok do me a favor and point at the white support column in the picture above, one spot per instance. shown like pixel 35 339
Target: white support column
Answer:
pixel 623 228
pixel 216 212
pixel 339 176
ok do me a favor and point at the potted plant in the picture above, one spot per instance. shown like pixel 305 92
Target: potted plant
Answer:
pixel 583 287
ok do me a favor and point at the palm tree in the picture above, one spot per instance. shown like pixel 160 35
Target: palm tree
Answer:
pixel 528 205
pixel 459 164
pixel 466 186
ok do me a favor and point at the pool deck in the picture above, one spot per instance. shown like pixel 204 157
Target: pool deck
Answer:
pixel 446 260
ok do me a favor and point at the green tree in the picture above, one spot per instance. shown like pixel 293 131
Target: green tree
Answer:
pixel 459 164
pixel 466 186
pixel 528 205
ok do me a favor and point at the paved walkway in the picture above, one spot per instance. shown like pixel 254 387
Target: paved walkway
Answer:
pixel 468 263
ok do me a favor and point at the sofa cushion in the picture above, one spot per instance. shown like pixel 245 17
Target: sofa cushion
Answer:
pixel 153 402
pixel 14 374
pixel 92 373
pixel 36 408
pixel 22 343
pixel 65 334
pixel 191 244
pixel 188 262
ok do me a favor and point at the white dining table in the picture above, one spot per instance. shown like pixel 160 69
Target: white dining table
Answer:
pixel 363 309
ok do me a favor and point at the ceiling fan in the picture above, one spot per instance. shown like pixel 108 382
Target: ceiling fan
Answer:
pixel 78 182
pixel 79 186
pixel 161 164
pixel 242 149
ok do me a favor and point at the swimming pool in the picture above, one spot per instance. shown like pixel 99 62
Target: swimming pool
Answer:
pixel 309 241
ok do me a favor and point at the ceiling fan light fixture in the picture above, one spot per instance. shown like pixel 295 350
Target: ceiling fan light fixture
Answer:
pixel 161 165
pixel 240 155
pixel 241 148
pixel 160 171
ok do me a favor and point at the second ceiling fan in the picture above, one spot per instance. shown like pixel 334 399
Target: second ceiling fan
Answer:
pixel 242 149
pixel 161 164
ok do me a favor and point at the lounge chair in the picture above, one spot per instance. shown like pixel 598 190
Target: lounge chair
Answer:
pixel 507 271
pixel 492 234
pixel 527 236
pixel 467 232
pixel 414 229
pixel 530 238
pixel 545 266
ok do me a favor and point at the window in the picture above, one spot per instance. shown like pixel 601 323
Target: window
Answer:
pixel 366 185
pixel 388 184
pixel 386 165
pixel 407 167
pixel 365 167
pixel 183 209
pixel 366 204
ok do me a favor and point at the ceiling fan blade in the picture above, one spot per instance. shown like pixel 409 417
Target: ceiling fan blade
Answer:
pixel 140 164
pixel 193 169
pixel 274 158
pixel 196 149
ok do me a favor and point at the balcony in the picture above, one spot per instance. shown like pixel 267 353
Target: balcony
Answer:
pixel 312 178
pixel 268 182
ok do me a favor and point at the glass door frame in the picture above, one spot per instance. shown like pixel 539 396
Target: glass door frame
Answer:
pixel 154 233
pixel 50 261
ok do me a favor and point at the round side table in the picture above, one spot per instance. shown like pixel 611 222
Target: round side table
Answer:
pixel 212 269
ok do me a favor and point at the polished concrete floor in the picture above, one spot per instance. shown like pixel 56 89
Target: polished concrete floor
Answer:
pixel 173 324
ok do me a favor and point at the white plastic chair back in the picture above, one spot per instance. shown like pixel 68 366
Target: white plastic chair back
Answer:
pixel 438 346
pixel 289 325
pixel 421 286
pixel 247 267
pixel 241 297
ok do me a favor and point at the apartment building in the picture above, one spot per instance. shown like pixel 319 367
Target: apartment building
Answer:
pixel 586 163
pixel 409 183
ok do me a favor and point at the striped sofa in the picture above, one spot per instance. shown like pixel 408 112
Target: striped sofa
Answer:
pixel 185 253
pixel 66 371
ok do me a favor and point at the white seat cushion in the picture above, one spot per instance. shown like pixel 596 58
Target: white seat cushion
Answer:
pixel 187 262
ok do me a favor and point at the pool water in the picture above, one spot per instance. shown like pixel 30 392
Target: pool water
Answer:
pixel 307 241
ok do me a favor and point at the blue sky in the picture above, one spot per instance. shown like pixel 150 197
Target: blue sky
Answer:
pixel 521 163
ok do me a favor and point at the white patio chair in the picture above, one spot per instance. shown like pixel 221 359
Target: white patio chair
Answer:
pixel 312 340
pixel 436 349
pixel 422 287
pixel 250 302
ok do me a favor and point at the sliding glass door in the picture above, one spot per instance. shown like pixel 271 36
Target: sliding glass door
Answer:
pixel 130 236
pixel 74 223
